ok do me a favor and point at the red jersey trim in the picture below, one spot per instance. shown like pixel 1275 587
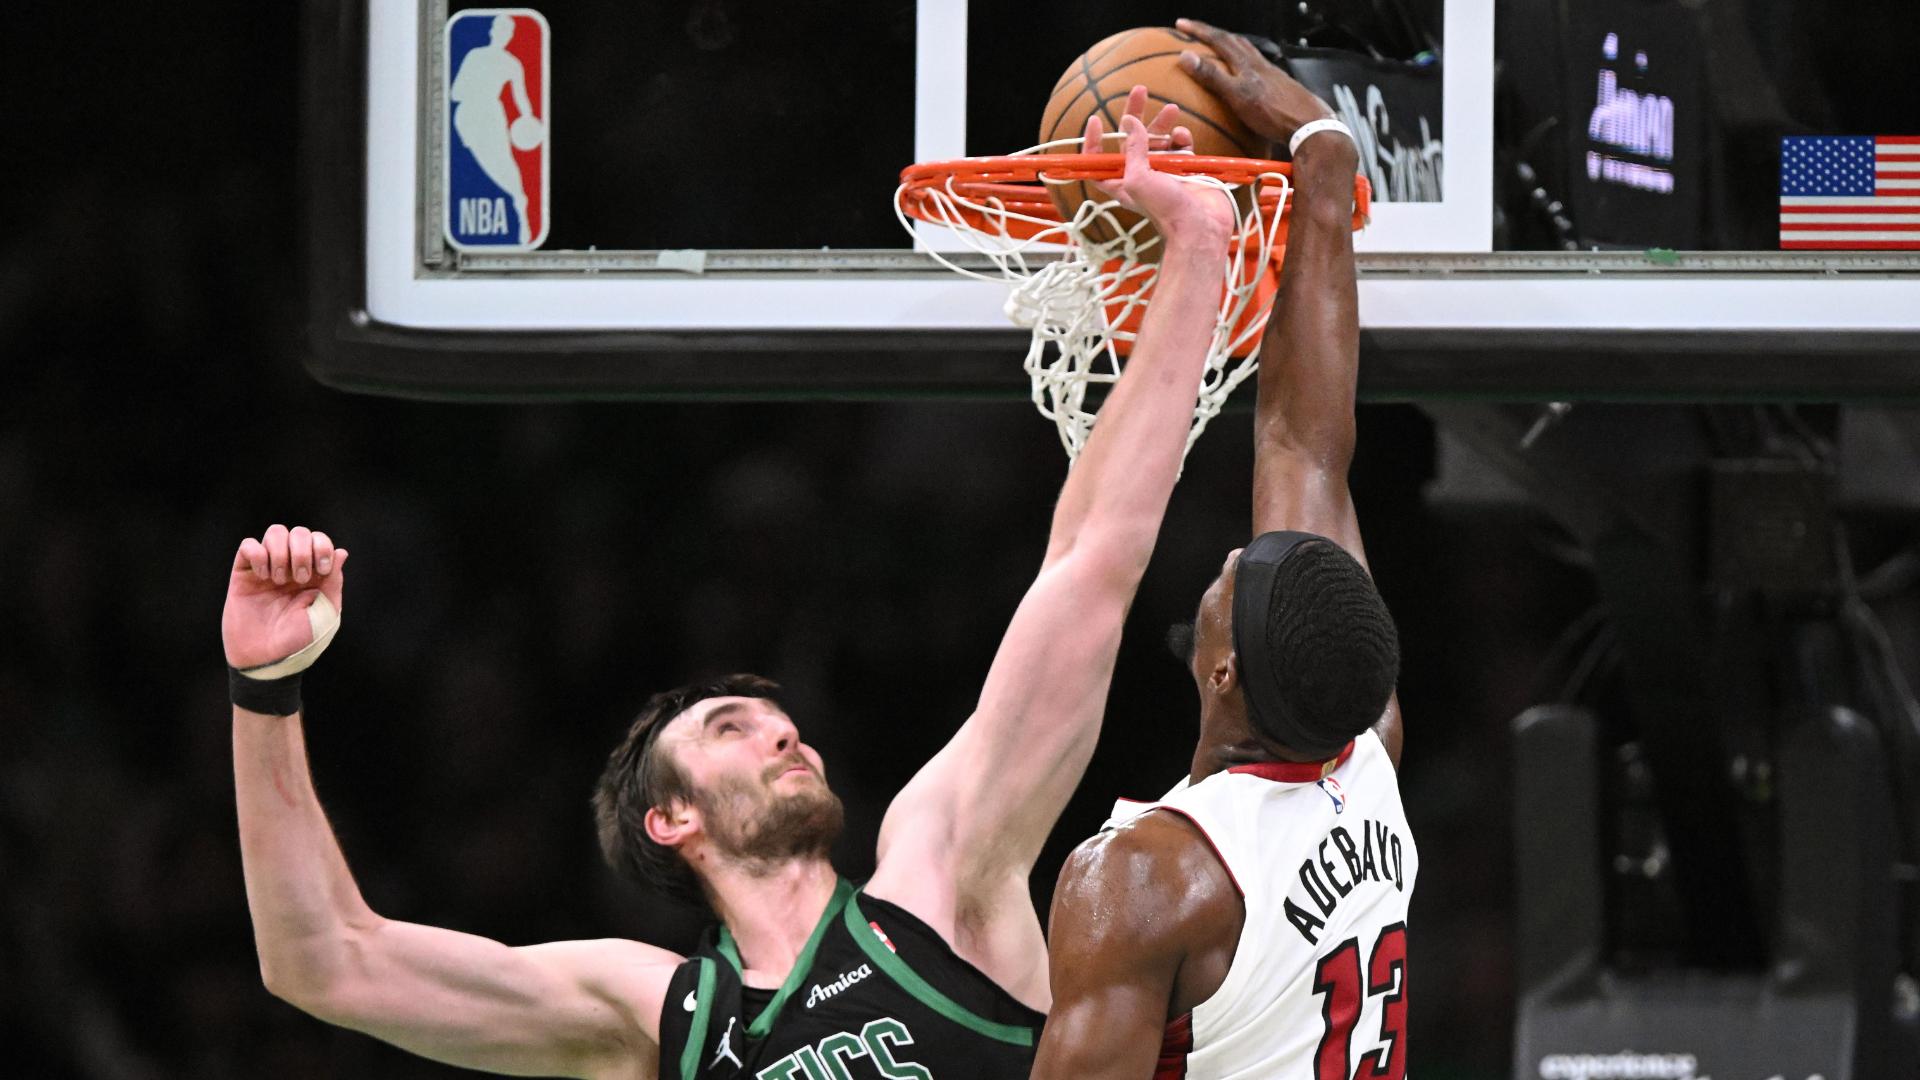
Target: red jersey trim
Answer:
pixel 1175 1044
pixel 1296 772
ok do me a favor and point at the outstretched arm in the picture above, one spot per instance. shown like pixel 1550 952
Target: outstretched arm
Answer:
pixel 1310 354
pixel 977 814
pixel 567 1009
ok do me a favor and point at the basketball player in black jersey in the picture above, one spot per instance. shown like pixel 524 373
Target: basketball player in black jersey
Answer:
pixel 934 968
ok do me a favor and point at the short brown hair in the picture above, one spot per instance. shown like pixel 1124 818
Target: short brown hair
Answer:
pixel 637 780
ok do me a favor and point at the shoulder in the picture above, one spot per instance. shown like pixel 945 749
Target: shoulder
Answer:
pixel 1154 878
pixel 1154 837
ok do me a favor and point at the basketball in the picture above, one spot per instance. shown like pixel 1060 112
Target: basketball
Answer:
pixel 1099 80
pixel 526 133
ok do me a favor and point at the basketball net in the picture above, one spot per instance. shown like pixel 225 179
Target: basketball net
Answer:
pixel 1084 298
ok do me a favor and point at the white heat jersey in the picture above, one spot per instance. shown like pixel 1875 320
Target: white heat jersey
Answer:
pixel 1325 864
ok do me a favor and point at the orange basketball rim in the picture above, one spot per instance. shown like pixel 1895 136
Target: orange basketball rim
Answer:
pixel 1006 197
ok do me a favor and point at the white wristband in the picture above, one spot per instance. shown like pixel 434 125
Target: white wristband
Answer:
pixel 324 621
pixel 1315 127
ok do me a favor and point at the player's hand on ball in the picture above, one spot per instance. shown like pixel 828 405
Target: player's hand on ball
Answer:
pixel 275 580
pixel 1269 101
pixel 1178 207
pixel 1164 131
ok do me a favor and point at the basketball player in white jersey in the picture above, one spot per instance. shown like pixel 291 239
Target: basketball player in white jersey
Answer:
pixel 1252 923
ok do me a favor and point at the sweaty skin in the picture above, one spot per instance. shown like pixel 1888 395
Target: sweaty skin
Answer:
pixel 1145 918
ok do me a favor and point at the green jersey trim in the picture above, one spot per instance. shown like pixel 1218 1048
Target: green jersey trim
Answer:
pixel 886 960
pixel 697 1031
pixel 802 964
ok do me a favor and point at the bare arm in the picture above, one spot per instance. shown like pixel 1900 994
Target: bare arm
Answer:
pixel 1310 355
pixel 977 814
pixel 572 1008
pixel 1309 358
pixel 1144 925
pixel 1309 363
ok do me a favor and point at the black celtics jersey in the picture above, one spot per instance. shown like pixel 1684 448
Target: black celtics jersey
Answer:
pixel 875 995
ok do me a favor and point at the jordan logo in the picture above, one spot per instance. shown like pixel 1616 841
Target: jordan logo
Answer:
pixel 725 1052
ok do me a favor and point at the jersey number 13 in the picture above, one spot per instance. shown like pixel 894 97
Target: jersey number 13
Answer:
pixel 1339 979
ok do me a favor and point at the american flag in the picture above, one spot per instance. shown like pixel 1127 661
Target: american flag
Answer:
pixel 1841 192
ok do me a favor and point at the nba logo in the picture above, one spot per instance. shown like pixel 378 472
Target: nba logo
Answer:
pixel 1335 792
pixel 497 129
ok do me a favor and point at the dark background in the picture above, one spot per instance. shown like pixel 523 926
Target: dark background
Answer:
pixel 524 575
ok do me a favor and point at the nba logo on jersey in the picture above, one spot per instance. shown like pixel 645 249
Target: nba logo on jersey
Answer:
pixel 498 122
pixel 1335 792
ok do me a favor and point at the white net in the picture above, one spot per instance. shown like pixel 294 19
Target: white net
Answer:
pixel 1081 296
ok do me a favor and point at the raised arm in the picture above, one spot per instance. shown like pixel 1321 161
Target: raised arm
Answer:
pixel 565 1009
pixel 1310 354
pixel 977 814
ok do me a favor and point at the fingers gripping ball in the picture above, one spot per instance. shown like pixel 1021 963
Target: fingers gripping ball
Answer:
pixel 526 133
pixel 1098 82
pixel 274 689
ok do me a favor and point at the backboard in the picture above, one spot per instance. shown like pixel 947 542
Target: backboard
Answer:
pixel 704 207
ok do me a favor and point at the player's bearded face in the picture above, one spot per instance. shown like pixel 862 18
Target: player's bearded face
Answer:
pixel 770 816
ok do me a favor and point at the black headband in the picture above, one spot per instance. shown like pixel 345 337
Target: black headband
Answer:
pixel 1260 683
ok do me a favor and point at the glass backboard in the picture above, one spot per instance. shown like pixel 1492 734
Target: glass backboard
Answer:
pixel 1574 201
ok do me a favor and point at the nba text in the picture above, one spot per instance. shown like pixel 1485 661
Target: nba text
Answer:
pixel 484 217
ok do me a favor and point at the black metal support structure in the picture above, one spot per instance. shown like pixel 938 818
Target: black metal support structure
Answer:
pixel 1711 844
